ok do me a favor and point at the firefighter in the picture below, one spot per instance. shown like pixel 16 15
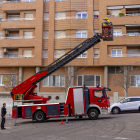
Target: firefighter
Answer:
pixel 3 113
pixel 106 22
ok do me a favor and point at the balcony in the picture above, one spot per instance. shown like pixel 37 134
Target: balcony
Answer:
pixel 18 1
pixel 18 5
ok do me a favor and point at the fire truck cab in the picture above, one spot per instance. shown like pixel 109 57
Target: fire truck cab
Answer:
pixel 80 101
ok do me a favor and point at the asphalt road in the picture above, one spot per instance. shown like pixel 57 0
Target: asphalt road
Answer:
pixel 107 127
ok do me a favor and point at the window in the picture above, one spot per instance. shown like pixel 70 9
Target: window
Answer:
pixel 46 16
pixel 60 34
pixel 12 54
pixel 81 34
pixel 116 52
pixel 1 1
pixel 28 16
pixel 115 70
pixel 13 17
pixel 135 80
pixel 27 34
pixel 99 94
pixel 59 0
pixel 60 15
pixel 95 14
pixel 117 32
pixel 45 54
pixel 81 15
pixel 0 35
pixel 46 0
pixel 27 53
pixel 1 17
pixel 126 100
pixel 96 53
pixel 58 53
pixel 54 80
pixel 88 80
pixel 115 12
pixel 95 32
pixel 134 99
pixel 83 55
pixel 45 34
pixel 29 0
pixel 0 55
pixel 133 33
pixel 8 80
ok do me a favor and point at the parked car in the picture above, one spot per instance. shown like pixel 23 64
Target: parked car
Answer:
pixel 127 104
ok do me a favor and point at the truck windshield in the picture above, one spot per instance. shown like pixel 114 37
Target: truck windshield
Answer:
pixel 99 93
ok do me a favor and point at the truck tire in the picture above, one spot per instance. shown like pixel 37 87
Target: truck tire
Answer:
pixel 39 116
pixel 93 114
pixel 115 110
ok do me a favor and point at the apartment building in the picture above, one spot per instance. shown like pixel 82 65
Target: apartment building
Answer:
pixel 34 33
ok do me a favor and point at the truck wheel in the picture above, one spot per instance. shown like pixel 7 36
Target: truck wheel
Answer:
pixel 115 110
pixel 93 114
pixel 39 116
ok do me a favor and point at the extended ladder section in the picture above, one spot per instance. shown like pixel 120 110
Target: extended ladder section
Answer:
pixel 68 57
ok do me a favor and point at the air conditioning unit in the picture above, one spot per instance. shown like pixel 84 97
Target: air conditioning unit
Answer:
pixel 6 32
pixel 5 50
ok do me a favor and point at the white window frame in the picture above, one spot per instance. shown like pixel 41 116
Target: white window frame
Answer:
pixel 89 75
pixel 81 13
pixel 117 33
pixel 54 85
pixel 81 33
pixel 136 81
pixel 81 55
pixel 116 52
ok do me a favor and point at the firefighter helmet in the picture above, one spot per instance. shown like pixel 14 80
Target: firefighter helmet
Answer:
pixel 106 18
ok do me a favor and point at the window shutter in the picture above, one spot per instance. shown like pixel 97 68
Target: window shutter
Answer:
pixel 96 13
pixel 46 16
pixel 58 53
pixel 28 16
pixel 96 53
pixel 115 12
pixel 27 53
pixel 96 31
pixel 45 34
pixel 0 35
pixel 0 54
pixel 28 34
pixel 60 34
pixel 13 35
pixel 60 15
pixel 117 30
pixel 133 51
pixel 45 54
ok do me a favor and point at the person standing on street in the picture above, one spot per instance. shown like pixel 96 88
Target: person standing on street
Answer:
pixel 3 113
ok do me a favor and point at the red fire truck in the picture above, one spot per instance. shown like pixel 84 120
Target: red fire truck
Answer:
pixel 80 101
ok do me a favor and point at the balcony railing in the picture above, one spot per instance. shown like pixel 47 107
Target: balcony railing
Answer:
pixel 16 56
pixel 18 19
pixel 17 37
pixel 129 34
pixel 134 14
pixel 18 1
pixel 125 55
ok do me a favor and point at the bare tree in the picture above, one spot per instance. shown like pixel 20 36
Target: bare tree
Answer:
pixel 124 76
pixel 70 73
pixel 12 78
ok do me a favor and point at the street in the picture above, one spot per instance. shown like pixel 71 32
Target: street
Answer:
pixel 107 127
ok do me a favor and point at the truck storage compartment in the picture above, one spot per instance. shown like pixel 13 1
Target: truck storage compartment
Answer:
pixel 52 110
pixel 19 112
